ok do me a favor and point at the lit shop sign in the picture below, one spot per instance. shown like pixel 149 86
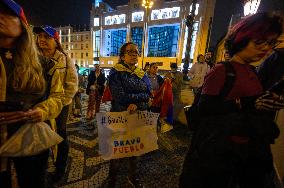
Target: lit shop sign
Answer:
pixel 96 21
pixel 115 19
pixel 251 7
pixel 165 13
pixel 137 16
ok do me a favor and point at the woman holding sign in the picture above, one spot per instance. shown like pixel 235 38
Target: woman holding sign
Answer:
pixel 130 90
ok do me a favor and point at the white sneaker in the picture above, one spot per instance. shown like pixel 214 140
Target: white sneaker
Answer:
pixel 165 127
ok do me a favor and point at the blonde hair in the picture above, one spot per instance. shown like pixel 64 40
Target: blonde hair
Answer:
pixel 28 74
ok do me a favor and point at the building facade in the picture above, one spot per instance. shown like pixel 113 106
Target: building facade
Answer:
pixel 162 27
pixel 77 43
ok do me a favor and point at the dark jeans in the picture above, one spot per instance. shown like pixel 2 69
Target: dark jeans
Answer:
pixel 30 170
pixel 63 147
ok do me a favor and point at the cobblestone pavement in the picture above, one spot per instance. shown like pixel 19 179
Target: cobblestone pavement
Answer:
pixel 86 169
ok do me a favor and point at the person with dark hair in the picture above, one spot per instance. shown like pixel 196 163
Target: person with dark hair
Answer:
pixel 231 145
pixel 23 95
pixel 130 91
pixel 209 58
pixel 95 90
pixel 159 97
pixel 146 67
pixel 227 56
pixel 197 73
pixel 49 45
pixel 155 79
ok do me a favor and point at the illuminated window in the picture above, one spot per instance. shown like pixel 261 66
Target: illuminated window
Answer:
pixel 115 40
pixel 163 41
pixel 96 43
pixel 96 21
pixel 82 46
pixel 87 54
pixel 193 41
pixel 251 7
pixel 115 19
pixel 110 62
pixel 87 37
pixel 137 16
pixel 71 55
pixel 196 9
pixel 137 36
pixel 87 45
pixel 165 13
pixel 97 3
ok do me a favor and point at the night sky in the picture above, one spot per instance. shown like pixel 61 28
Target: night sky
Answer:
pixel 60 12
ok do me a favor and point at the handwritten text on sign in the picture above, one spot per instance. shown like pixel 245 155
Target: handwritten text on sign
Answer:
pixel 125 135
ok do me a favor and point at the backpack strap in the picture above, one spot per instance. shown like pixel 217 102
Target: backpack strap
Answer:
pixel 229 79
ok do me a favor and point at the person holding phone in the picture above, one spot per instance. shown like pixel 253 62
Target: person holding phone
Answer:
pixel 23 93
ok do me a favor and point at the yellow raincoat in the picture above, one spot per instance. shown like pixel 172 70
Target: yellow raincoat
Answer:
pixel 50 108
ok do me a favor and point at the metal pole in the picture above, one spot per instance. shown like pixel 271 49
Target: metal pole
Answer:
pixel 144 36
pixel 189 24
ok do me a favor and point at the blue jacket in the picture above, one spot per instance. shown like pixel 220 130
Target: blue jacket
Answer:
pixel 128 87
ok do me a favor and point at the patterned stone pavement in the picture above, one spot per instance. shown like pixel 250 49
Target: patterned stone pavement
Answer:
pixel 86 169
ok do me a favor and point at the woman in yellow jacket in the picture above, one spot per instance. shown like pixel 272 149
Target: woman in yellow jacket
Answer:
pixel 49 46
pixel 23 93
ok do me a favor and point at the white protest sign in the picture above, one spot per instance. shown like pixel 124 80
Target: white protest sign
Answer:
pixel 125 135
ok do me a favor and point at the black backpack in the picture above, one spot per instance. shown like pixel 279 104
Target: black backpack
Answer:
pixel 192 113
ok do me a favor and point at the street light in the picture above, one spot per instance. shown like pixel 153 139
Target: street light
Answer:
pixel 147 4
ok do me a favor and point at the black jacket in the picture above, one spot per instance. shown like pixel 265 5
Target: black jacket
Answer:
pixel 100 81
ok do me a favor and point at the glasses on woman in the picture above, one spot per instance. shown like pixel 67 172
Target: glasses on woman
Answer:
pixel 132 52
pixel 271 43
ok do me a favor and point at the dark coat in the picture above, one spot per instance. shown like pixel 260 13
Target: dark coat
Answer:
pixel 127 88
pixel 100 81
pixel 272 69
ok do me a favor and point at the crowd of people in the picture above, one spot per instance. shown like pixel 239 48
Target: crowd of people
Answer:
pixel 230 146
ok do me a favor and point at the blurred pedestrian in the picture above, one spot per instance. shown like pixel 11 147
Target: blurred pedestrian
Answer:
pixel 197 73
pixel 227 56
pixel 177 84
pixel 159 92
pixel 23 93
pixel 130 90
pixel 155 79
pixel 209 58
pixel 231 146
pixel 95 90
pixel 77 107
pixel 146 67
pixel 50 47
